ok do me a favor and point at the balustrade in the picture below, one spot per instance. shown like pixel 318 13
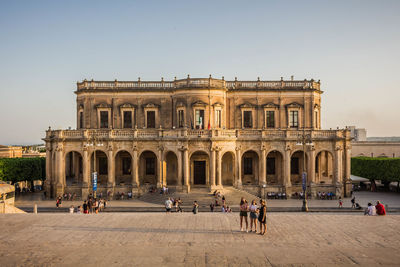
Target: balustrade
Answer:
pixel 197 83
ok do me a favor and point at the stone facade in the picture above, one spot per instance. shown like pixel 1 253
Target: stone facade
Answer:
pixel 198 132
pixel 10 151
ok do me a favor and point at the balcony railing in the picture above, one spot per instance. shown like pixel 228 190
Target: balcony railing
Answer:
pixel 199 83
pixel 127 134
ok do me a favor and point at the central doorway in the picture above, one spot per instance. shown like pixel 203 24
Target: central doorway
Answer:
pixel 199 172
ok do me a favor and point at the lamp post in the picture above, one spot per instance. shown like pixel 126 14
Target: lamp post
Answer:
pixel 94 142
pixel 303 141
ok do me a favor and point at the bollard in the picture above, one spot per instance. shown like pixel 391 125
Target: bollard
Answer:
pixel 35 209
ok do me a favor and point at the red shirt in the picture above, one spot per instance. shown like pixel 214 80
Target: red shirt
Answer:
pixel 380 209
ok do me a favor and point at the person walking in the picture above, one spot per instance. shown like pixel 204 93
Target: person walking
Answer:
pixel 85 207
pixel 243 214
pixel 340 202
pixel 195 207
pixel 262 218
pixel 353 202
pixel 253 216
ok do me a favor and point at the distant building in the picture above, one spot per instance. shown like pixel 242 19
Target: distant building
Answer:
pixel 381 147
pixel 10 151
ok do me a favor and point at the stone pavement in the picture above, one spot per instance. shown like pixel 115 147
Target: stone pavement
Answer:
pixel 205 239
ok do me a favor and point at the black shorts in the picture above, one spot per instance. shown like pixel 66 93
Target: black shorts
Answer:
pixel 243 213
pixel 168 209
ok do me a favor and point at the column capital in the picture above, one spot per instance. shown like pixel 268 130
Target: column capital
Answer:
pixel 338 148
pixel 183 148
pixel 238 148
pixel 288 148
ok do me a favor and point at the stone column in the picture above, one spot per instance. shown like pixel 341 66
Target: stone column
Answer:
pixel 60 170
pixel 311 171
pixel 85 173
pixel 49 164
pixel 135 169
pixel 212 168
pixel 346 181
pixel 186 169
pixel 219 168
pixel 263 174
pixel 338 166
pixel 111 169
pixel 179 170
pixel 239 167
pixel 160 181
pixel 286 171
pixel 337 181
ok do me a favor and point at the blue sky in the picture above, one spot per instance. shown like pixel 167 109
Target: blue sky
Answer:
pixel 46 46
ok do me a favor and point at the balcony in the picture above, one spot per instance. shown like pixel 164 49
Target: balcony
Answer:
pixel 190 134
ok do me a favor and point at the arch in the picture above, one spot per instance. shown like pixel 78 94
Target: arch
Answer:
pixel 274 167
pixel 297 163
pixel 73 168
pixel 123 167
pixel 198 151
pixel 171 168
pixel 324 166
pixel 228 168
pixel 148 168
pixel 250 166
pixel 101 166
pixel 199 168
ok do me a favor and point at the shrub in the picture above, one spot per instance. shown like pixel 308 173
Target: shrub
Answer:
pixel 384 169
pixel 21 169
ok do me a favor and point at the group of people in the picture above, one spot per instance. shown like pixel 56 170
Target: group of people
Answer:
pixel 326 196
pixel 378 209
pixel 257 213
pixel 91 205
pixel 224 207
pixel 170 202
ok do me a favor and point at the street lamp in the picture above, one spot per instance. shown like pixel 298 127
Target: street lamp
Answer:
pixel 94 143
pixel 303 141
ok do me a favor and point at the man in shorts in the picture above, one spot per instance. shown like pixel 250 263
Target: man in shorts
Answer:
pixel 168 205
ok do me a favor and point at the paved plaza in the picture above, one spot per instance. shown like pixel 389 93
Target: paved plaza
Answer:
pixel 205 239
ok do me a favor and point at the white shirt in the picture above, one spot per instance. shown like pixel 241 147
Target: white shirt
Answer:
pixel 168 204
pixel 371 210
pixel 253 208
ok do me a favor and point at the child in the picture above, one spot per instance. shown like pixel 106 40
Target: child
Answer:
pixel 340 202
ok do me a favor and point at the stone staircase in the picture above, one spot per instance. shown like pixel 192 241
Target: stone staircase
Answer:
pixel 200 194
pixel 233 196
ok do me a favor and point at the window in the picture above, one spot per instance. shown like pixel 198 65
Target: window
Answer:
pixel 271 166
pixel 294 118
pixel 103 119
pixel 317 164
pixel 127 119
pixel 151 119
pixel 80 119
pixel 126 166
pixel 270 119
pixel 218 118
pixel 316 119
pixel 199 118
pixel 248 165
pixel 181 118
pixel 150 166
pixel 247 119
pixel 103 166
pixel 294 166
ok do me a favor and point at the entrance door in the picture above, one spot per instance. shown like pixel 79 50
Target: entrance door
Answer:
pixel 199 172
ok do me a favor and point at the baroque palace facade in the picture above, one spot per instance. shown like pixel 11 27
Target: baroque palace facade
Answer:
pixel 198 132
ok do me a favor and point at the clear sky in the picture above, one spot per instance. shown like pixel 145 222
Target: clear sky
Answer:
pixel 47 46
